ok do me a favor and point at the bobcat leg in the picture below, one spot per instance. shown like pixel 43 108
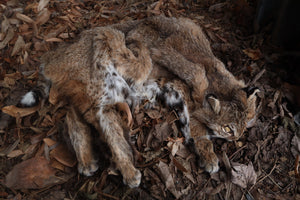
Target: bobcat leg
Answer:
pixel 203 148
pixel 121 150
pixel 81 140
pixel 194 75
pixel 207 157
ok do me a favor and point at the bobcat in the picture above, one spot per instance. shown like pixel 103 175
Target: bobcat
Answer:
pixel 122 63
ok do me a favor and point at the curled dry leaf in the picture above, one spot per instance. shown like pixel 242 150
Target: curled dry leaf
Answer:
pixel 49 142
pixel 9 35
pixel 43 17
pixel 154 114
pixel 15 153
pixel 19 112
pixel 24 18
pixel 34 173
pixel 18 45
pixel 168 179
pixel 243 175
pixel 4 25
pixel 42 4
pixel 54 40
pixel 62 154
pixel 254 54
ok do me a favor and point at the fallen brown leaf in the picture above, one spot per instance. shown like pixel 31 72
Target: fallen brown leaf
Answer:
pixel 49 141
pixel 15 153
pixel 19 112
pixel 24 18
pixel 63 155
pixel 254 54
pixel 42 4
pixel 43 17
pixel 153 114
pixel 18 45
pixel 9 35
pixel 168 179
pixel 34 173
pixel 243 175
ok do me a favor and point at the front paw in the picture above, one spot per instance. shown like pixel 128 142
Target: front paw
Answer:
pixel 210 165
pixel 88 169
pixel 132 178
pixel 206 157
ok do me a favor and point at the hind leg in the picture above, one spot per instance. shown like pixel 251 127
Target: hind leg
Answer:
pixel 110 122
pixel 81 140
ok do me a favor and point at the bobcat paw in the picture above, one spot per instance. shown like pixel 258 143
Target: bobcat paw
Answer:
pixel 132 179
pixel 212 168
pixel 209 165
pixel 88 169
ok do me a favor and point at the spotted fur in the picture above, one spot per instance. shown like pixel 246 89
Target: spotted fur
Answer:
pixel 122 63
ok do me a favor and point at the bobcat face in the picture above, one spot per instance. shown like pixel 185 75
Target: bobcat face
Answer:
pixel 228 119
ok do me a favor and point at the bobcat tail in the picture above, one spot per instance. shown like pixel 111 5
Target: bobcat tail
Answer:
pixel 39 92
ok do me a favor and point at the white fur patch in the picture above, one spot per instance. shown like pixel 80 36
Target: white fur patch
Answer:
pixel 28 99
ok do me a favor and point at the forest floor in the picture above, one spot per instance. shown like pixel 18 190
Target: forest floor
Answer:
pixel 36 163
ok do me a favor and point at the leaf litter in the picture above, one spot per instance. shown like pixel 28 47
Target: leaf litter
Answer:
pixel 265 164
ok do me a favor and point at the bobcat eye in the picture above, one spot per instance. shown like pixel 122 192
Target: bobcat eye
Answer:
pixel 227 129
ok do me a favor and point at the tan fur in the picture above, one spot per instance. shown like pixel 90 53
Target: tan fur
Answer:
pixel 174 49
pixel 180 51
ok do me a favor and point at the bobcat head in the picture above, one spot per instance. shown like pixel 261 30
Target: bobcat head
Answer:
pixel 229 117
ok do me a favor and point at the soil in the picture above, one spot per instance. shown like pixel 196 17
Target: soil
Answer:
pixel 37 162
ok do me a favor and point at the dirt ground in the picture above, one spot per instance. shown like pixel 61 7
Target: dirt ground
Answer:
pixel 36 162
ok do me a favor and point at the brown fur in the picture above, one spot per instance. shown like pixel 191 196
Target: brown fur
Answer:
pixel 180 52
pixel 174 49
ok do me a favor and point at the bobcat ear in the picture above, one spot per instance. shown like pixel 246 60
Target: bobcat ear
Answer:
pixel 251 104
pixel 251 92
pixel 214 103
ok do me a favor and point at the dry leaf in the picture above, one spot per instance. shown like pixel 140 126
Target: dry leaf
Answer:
pixel 19 112
pixel 24 18
pixel 43 17
pixel 168 179
pixel 34 173
pixel 49 141
pixel 9 35
pixel 15 153
pixel 217 7
pixel 254 54
pixel 243 175
pixel 42 4
pixel 62 154
pixel 54 40
pixel 162 131
pixel 153 114
pixel 18 45
pixel 4 25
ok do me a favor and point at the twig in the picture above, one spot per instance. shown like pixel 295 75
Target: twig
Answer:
pixel 275 182
pixel 108 195
pixel 240 149
pixel 297 167
pixel 263 178
pixel 257 77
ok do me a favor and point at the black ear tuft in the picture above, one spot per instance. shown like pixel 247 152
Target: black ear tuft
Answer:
pixel 251 90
